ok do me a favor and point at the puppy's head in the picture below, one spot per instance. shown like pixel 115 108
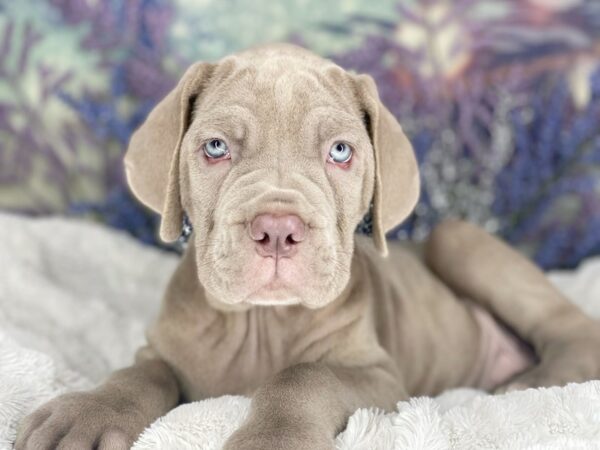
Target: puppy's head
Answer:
pixel 275 155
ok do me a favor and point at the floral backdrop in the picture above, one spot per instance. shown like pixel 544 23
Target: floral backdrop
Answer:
pixel 501 99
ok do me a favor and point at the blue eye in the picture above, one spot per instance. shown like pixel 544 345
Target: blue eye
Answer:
pixel 216 148
pixel 340 152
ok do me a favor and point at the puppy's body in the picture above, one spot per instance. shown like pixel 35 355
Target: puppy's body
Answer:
pixel 434 339
pixel 275 155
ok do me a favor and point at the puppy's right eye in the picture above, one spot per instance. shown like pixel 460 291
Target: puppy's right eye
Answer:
pixel 216 149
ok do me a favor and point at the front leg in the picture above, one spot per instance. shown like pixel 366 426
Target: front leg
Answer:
pixel 109 417
pixel 306 405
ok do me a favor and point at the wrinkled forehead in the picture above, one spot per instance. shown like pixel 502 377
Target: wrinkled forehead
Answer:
pixel 281 91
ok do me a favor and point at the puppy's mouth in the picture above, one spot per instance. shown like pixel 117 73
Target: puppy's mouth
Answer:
pixel 276 280
pixel 280 257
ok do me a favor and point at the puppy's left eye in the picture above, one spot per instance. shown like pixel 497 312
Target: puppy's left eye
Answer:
pixel 216 149
pixel 340 153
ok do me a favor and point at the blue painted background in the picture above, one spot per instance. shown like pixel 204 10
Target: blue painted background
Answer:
pixel 501 99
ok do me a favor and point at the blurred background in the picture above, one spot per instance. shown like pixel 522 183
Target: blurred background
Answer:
pixel 501 99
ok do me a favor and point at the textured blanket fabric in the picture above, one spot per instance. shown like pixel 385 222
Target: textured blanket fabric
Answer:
pixel 74 301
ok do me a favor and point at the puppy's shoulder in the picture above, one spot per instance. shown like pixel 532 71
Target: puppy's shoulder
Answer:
pixel 398 251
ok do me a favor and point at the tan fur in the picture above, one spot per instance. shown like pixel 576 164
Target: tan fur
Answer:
pixel 346 327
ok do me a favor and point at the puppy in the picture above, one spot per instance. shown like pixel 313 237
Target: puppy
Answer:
pixel 276 155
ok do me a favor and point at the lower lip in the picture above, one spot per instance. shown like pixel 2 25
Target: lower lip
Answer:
pixel 274 302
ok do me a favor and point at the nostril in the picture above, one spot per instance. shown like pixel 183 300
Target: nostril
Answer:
pixel 277 235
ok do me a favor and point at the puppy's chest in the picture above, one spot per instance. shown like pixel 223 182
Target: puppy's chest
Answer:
pixel 234 355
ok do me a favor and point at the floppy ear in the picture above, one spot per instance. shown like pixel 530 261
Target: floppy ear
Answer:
pixel 152 159
pixel 396 190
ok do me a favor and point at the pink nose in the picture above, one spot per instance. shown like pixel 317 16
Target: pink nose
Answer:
pixel 277 236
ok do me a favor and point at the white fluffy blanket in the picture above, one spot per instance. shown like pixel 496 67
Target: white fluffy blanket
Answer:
pixel 74 301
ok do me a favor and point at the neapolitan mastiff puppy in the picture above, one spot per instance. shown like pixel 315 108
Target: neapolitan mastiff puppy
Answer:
pixel 276 155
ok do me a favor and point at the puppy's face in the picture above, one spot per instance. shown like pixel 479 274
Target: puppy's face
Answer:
pixel 275 154
pixel 276 171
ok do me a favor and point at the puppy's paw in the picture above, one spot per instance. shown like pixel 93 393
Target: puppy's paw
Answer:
pixel 81 421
